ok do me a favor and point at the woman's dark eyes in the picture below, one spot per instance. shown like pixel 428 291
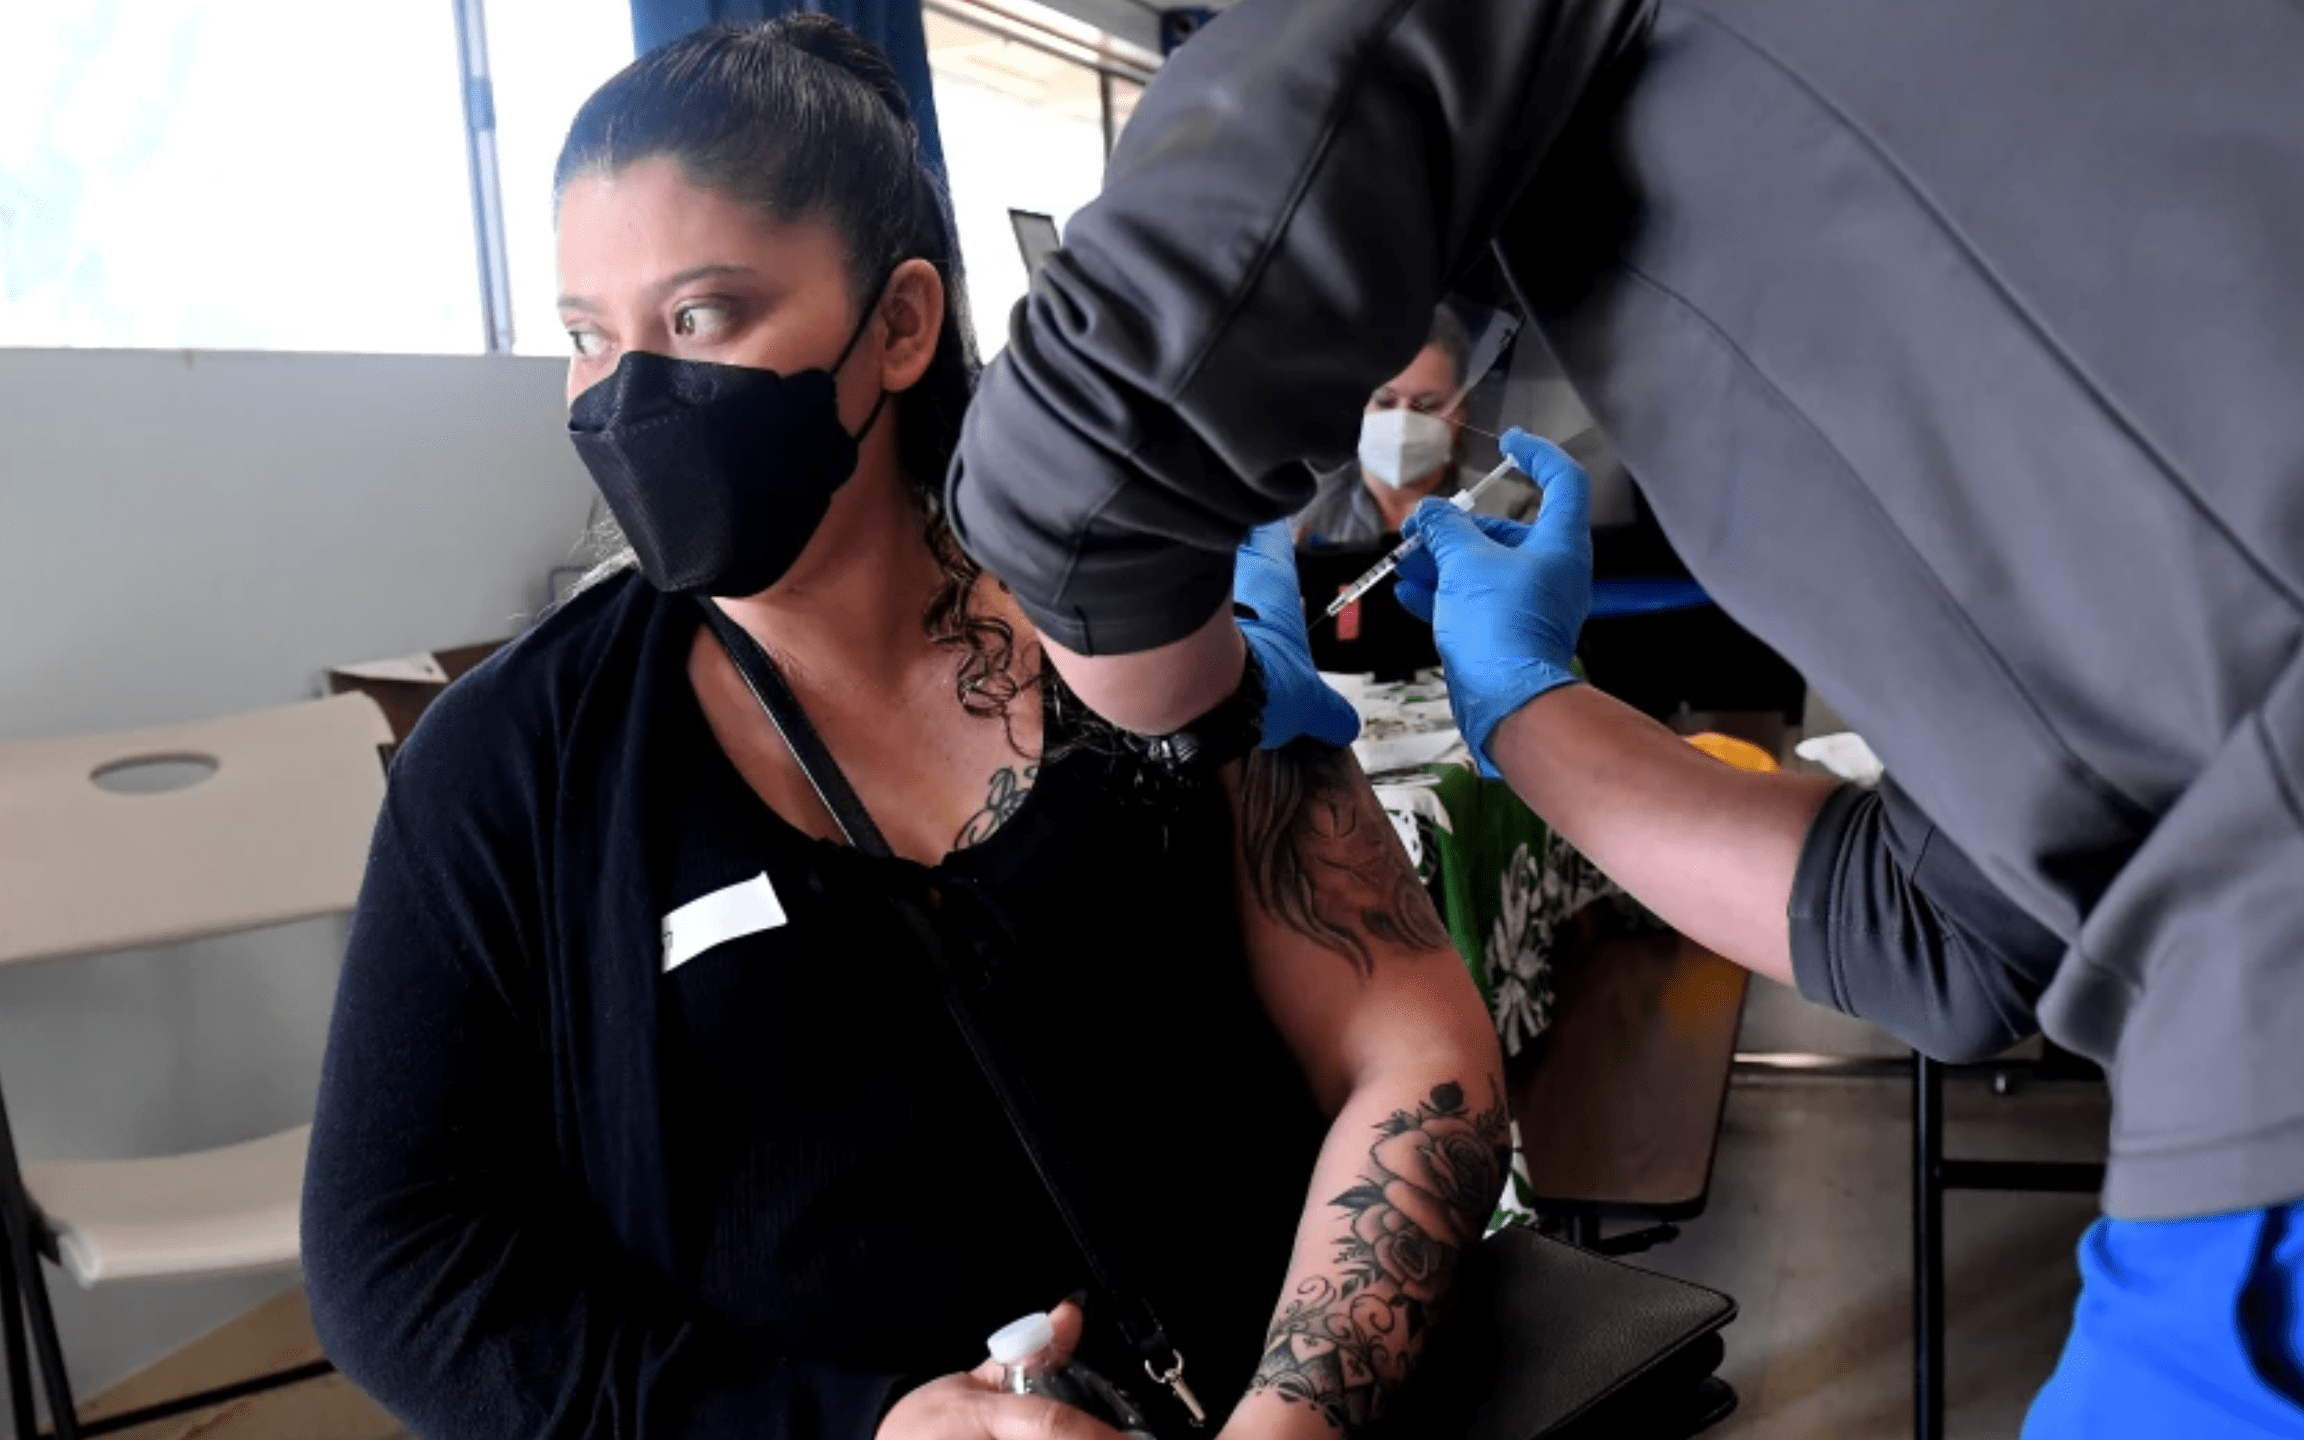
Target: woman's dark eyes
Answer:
pixel 699 319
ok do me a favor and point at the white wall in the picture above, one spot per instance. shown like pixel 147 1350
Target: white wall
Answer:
pixel 187 535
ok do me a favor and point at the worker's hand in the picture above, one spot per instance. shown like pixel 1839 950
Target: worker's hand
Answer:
pixel 1505 600
pixel 1296 700
pixel 973 1406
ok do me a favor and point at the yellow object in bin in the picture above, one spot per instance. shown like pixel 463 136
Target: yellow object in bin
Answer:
pixel 1742 754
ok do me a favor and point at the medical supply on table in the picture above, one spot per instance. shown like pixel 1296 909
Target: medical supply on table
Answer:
pixel 1024 1350
pixel 1845 754
pixel 1382 569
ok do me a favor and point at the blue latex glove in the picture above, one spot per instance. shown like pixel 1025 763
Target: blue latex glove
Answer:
pixel 1296 700
pixel 1505 600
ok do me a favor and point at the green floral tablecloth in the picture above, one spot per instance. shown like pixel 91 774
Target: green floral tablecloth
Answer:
pixel 1506 885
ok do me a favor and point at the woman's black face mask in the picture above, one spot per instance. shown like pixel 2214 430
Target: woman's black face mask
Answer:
pixel 718 474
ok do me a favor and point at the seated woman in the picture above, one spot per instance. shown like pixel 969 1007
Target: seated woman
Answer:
pixel 646 1111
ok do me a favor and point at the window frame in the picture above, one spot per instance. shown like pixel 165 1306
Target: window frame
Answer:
pixel 494 255
pixel 1104 56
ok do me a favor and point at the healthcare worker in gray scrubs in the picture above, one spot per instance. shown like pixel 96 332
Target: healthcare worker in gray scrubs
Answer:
pixel 1957 349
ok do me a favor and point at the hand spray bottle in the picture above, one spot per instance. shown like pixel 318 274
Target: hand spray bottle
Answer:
pixel 1029 1366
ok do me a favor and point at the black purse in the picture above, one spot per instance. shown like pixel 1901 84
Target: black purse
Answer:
pixel 1545 1341
pixel 1550 1342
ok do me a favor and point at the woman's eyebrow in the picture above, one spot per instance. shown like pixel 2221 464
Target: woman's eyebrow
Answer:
pixel 662 287
pixel 692 274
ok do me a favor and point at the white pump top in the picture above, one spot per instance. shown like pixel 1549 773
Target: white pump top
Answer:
pixel 1021 1340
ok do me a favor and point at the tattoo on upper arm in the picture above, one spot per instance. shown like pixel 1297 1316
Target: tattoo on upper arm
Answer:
pixel 1010 784
pixel 1322 857
pixel 1345 1341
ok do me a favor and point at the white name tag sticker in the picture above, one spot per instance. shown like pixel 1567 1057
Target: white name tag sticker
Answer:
pixel 745 908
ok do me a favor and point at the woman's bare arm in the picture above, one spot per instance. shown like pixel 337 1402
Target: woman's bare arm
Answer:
pixel 1360 976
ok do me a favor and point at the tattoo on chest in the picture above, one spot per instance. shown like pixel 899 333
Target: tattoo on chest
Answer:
pixel 1347 1339
pixel 1010 784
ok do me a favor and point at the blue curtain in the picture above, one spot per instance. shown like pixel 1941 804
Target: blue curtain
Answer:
pixel 893 25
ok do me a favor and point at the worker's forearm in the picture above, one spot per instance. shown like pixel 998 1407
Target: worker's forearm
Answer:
pixel 1403 1189
pixel 1153 692
pixel 1710 848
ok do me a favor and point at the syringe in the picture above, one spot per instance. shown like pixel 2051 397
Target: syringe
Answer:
pixel 1462 500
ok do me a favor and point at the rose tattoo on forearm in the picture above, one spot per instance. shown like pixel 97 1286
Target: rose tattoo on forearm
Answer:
pixel 1345 1341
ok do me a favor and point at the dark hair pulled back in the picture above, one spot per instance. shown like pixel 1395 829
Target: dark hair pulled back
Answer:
pixel 803 119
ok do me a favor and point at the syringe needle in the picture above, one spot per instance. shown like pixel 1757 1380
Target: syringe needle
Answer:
pixel 1376 574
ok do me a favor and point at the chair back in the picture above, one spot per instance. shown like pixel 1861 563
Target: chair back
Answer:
pixel 277 830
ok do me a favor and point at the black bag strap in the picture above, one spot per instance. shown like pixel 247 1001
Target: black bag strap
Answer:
pixel 782 707
pixel 1138 1325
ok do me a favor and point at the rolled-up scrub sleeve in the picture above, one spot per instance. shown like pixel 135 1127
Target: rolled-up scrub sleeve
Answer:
pixel 1217 319
pixel 1892 924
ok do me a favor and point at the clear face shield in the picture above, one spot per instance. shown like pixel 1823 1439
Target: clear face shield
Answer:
pixel 1410 433
pixel 1514 381
pixel 1509 380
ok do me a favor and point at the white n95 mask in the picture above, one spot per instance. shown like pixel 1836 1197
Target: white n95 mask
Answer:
pixel 1401 446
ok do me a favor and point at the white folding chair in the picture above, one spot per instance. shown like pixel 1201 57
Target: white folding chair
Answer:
pixel 277 830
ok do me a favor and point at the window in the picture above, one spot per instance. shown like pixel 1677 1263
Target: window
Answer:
pixel 1028 102
pixel 234 174
pixel 545 58
pixel 275 175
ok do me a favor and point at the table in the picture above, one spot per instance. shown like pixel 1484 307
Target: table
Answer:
pixel 1619 1110
pixel 1505 884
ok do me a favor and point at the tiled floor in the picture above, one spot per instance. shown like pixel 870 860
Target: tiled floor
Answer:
pixel 1809 1227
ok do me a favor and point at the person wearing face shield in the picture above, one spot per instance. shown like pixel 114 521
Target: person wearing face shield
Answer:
pixel 769 980
pixel 1954 348
pixel 1409 437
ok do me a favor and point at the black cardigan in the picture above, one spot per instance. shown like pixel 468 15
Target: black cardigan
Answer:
pixel 557 1191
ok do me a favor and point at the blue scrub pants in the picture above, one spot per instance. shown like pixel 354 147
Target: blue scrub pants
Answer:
pixel 2187 1329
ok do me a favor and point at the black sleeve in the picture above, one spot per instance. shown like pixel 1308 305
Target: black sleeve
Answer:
pixel 1892 924
pixel 456 1273
pixel 1283 212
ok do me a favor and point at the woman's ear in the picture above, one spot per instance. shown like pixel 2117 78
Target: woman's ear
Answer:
pixel 911 322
